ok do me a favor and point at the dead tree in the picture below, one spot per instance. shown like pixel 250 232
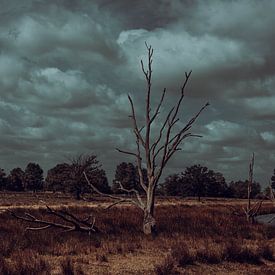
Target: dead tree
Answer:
pixel 150 152
pixel 69 222
pixel 251 210
pixel 247 210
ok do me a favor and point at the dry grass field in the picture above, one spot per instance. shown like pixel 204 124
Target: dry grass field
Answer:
pixel 193 238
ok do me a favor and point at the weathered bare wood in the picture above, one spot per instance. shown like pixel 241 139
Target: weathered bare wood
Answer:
pixel 155 154
pixel 72 223
pixel 250 211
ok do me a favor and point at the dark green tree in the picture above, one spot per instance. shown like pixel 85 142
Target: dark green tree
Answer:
pixel 195 181
pixel 33 178
pixel 127 174
pixel 3 179
pixel 59 177
pixel 99 179
pixel 16 180
pixel 200 181
pixel 89 164
pixel 215 184
pixel 197 177
pixel 239 189
pixel 172 185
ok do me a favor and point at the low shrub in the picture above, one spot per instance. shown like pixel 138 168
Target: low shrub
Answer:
pixel 235 252
pixel 182 255
pixel 167 267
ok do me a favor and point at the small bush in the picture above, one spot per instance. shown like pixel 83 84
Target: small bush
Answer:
pixel 210 256
pixel 167 267
pixel 182 255
pixel 234 252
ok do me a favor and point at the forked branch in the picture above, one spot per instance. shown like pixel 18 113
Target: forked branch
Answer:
pixel 137 202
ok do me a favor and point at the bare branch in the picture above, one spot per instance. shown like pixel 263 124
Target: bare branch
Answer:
pixel 178 138
pixel 187 76
pixel 148 75
pixel 135 126
pixel 158 107
pixel 117 202
pixel 155 144
pixel 234 211
pixel 132 190
pixel 127 152
pixel 112 196
pixel 38 228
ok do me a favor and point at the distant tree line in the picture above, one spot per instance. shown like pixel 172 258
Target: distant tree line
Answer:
pixel 195 181
pixel 198 181
pixel 31 179
pixel 64 177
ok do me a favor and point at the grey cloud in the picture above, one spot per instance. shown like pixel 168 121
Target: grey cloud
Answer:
pixel 263 107
pixel 66 68
pixel 226 132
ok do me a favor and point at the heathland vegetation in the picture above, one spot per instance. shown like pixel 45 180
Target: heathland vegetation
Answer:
pixel 193 238
pixel 64 226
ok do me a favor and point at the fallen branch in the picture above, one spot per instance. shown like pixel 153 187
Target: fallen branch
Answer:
pixel 72 223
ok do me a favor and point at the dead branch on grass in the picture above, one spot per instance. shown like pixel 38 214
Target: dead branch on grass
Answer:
pixel 72 223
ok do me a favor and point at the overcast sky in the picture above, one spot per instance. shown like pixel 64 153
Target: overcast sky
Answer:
pixel 67 66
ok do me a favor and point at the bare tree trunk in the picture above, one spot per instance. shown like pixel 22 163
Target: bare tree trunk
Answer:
pixel 251 211
pixel 149 221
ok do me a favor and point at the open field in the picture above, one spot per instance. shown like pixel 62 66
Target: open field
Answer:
pixel 193 238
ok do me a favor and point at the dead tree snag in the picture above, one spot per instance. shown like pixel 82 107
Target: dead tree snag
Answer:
pixel 251 210
pixel 154 153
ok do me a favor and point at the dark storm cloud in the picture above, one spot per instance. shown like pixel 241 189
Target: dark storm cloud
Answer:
pixel 66 68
